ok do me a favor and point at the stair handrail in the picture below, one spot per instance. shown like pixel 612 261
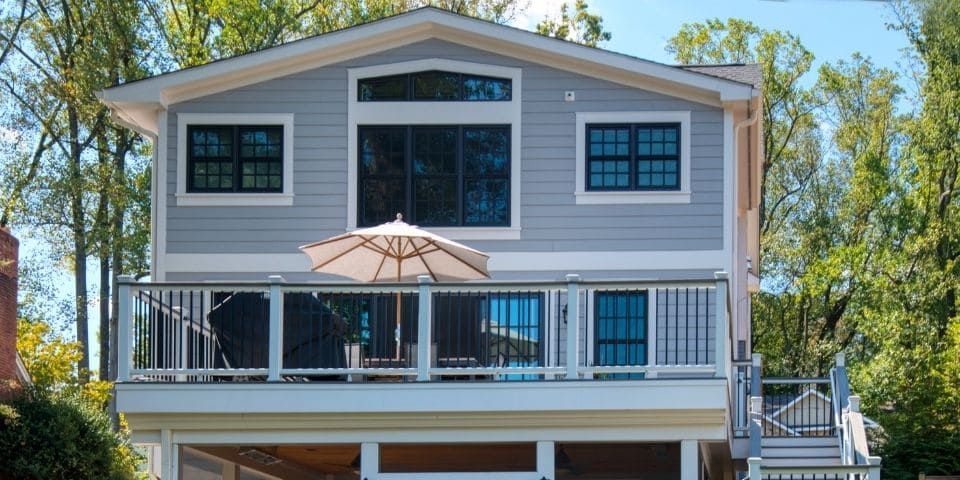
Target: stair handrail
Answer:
pixel 839 399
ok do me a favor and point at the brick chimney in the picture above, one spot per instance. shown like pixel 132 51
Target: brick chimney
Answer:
pixel 9 256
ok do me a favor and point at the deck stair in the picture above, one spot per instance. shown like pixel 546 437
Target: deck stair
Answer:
pixel 799 451
pixel 816 433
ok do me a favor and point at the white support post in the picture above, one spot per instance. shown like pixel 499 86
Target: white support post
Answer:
pixel 720 354
pixel 873 473
pixel 545 460
pixel 689 460
pixel 124 327
pixel 275 340
pixel 169 456
pixel 753 466
pixel 369 460
pixel 573 325
pixel 424 339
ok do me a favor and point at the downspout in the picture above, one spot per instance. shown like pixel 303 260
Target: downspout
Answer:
pixel 749 121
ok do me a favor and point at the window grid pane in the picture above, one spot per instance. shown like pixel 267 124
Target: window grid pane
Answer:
pixel 658 157
pixel 261 158
pixel 393 88
pixel 438 86
pixel 211 158
pixel 485 89
pixel 486 185
pixel 382 191
pixel 608 154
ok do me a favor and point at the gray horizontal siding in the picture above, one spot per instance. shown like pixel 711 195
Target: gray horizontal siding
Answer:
pixel 551 219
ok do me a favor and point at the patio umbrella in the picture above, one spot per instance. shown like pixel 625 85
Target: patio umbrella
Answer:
pixel 396 252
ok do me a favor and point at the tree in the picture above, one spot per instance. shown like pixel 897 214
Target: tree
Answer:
pixel 75 182
pixel 195 32
pixel 912 367
pixel 581 27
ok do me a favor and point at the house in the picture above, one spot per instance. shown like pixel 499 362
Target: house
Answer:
pixel 13 373
pixel 616 197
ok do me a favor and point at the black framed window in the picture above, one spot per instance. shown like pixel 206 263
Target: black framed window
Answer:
pixel 434 85
pixel 234 158
pixel 633 156
pixel 620 328
pixel 434 175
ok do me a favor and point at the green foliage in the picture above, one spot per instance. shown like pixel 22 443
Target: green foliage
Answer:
pixel 50 360
pixel 46 437
pixel 198 31
pixel 859 225
pixel 580 27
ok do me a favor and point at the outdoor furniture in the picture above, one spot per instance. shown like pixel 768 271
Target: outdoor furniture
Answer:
pixel 312 333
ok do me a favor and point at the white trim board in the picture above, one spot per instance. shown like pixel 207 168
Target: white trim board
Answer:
pixel 235 198
pixel 712 260
pixel 664 196
pixel 439 113
pixel 159 199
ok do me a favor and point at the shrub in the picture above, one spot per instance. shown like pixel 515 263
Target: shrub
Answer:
pixel 44 437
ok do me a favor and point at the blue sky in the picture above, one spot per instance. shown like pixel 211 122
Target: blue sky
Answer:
pixel 832 30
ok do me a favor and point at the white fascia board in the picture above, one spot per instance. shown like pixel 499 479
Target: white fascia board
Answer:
pixel 22 373
pixel 238 433
pixel 426 397
pixel 389 33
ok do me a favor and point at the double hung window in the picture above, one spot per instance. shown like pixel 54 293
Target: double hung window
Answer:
pixel 435 175
pixel 633 156
pixel 234 158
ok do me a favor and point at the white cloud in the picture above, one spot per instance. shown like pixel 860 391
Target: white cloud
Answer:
pixel 536 11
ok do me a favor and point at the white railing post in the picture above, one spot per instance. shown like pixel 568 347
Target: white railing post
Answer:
pixel 124 327
pixel 423 329
pixel 275 340
pixel 573 325
pixel 753 466
pixel 873 472
pixel 720 354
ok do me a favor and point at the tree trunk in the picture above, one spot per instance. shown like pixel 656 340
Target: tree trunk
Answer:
pixel 79 245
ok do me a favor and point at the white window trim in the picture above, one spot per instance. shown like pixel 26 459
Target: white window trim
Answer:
pixel 438 113
pixel 585 197
pixel 234 199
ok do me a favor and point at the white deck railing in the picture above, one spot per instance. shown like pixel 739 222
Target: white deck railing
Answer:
pixel 276 331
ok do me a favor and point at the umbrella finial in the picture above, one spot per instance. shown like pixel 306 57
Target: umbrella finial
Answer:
pixel 399 217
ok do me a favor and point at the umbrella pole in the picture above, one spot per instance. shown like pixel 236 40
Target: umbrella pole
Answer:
pixel 397 334
pixel 399 261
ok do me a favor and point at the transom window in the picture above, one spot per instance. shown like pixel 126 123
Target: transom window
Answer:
pixel 633 156
pixel 434 85
pixel 231 158
pixel 435 175
pixel 620 329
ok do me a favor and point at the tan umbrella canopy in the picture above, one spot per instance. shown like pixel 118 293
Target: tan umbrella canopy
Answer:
pixel 396 252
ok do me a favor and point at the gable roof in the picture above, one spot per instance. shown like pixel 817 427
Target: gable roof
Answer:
pixel 136 103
